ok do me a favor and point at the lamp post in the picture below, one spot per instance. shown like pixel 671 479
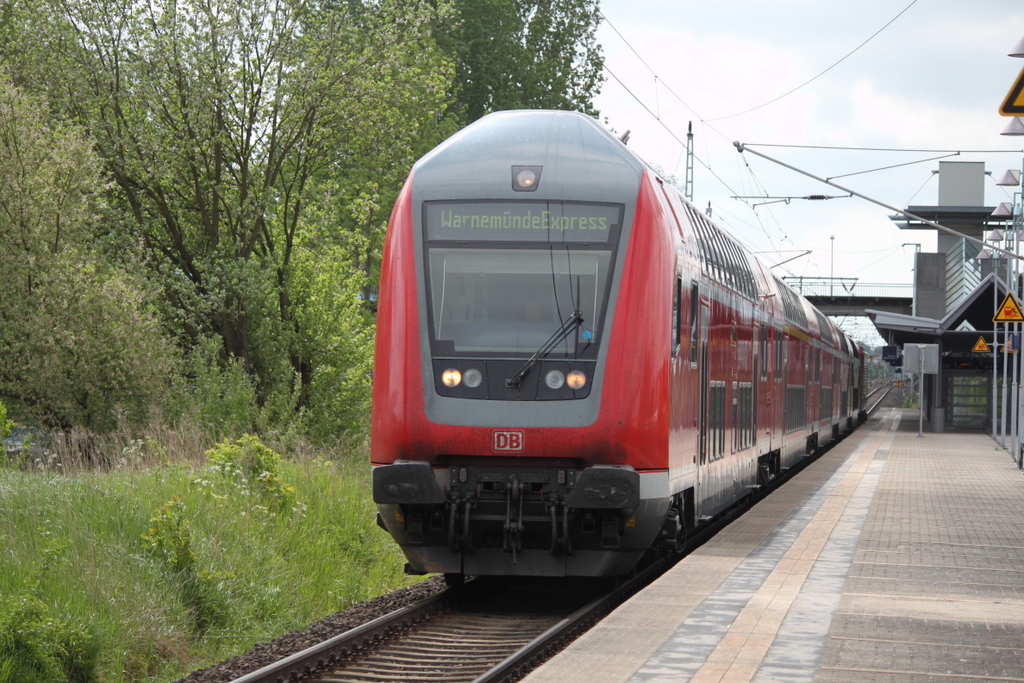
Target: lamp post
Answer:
pixel 917 250
pixel 1015 126
pixel 986 255
pixel 1013 211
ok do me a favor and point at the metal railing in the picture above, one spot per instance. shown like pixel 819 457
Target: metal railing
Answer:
pixel 848 287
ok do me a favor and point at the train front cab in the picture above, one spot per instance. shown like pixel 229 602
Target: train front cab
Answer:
pixel 494 451
pixel 695 362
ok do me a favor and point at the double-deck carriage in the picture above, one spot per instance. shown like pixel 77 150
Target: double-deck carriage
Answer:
pixel 574 365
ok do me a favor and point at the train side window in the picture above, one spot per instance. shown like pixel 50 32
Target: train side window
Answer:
pixel 752 421
pixel 677 332
pixel 747 411
pixel 737 428
pixel 762 357
pixel 717 427
pixel 780 349
pixel 677 208
pixel 694 308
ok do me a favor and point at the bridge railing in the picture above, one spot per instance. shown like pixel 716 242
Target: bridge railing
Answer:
pixel 844 287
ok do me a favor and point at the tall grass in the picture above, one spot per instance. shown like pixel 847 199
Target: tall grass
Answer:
pixel 85 544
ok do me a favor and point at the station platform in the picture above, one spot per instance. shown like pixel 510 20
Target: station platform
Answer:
pixel 891 558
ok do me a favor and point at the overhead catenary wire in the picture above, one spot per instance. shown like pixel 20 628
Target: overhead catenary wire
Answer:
pixel 808 82
pixel 774 222
pixel 742 147
pixel 657 79
pixel 667 128
pixel 886 149
pixel 886 168
pixel 926 181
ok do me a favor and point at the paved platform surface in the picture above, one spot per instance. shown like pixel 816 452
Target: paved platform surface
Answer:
pixel 891 558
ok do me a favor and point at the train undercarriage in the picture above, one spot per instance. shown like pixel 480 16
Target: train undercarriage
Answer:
pixel 536 520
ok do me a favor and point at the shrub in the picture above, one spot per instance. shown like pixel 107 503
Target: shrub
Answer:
pixel 170 536
pixel 215 392
pixel 38 647
pixel 252 465
pixel 5 425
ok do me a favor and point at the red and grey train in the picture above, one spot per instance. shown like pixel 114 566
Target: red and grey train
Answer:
pixel 574 365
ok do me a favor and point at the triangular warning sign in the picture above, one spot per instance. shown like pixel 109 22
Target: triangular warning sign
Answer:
pixel 1013 105
pixel 1009 311
pixel 981 346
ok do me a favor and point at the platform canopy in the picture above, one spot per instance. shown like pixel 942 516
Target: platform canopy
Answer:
pixel 957 332
pixel 969 220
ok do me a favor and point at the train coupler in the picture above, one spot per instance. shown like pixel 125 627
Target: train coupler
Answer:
pixel 458 525
pixel 559 542
pixel 513 527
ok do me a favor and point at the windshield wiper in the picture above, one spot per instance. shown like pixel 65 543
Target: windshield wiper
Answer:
pixel 568 327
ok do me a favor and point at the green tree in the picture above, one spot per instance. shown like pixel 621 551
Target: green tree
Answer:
pixel 221 122
pixel 77 340
pixel 526 54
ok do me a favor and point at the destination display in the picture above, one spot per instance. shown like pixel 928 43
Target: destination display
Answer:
pixel 522 221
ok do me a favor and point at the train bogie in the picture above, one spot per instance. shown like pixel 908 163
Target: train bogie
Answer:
pixel 574 365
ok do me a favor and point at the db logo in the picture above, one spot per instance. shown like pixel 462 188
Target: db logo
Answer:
pixel 508 441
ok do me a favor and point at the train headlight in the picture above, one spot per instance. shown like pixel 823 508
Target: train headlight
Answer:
pixel 472 378
pixel 554 379
pixel 576 379
pixel 451 377
pixel 526 178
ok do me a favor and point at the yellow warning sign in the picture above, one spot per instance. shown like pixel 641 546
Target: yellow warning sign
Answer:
pixel 1013 105
pixel 898 383
pixel 981 346
pixel 1009 311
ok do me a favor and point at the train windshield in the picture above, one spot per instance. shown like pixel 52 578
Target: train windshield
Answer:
pixel 506 292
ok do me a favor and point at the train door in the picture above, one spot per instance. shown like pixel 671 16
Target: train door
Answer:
pixel 760 378
pixel 809 422
pixel 705 388
pixel 786 405
pixel 778 389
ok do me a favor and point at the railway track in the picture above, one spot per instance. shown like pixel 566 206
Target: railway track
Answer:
pixel 488 630
pixel 884 389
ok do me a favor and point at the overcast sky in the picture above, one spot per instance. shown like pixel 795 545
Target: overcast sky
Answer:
pixel 932 80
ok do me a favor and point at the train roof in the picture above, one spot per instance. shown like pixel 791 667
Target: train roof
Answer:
pixel 579 159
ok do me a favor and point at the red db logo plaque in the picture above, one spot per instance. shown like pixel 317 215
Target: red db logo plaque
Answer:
pixel 508 440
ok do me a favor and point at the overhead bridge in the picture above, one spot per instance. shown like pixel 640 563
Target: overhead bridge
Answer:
pixel 849 296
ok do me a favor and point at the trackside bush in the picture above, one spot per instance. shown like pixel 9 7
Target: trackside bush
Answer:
pixel 169 537
pixel 255 468
pixel 36 646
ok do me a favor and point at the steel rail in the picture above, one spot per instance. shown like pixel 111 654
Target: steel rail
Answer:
pixel 332 652
pixel 877 389
pixel 334 649
pixel 564 631
pixel 875 405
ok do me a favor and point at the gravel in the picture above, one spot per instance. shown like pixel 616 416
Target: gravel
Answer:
pixel 263 654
